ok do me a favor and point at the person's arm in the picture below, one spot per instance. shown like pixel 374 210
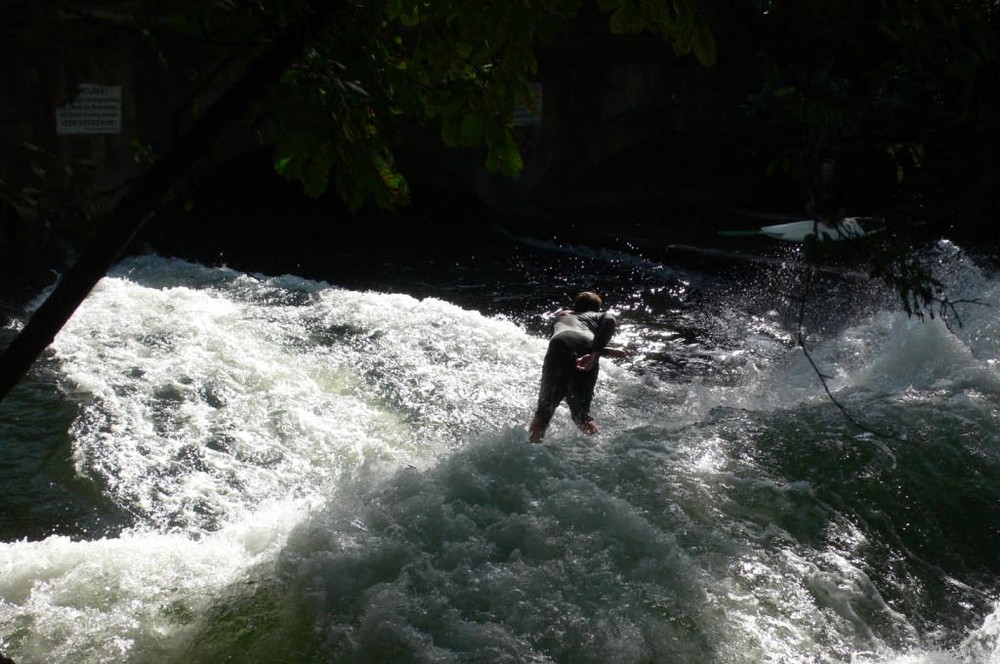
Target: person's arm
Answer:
pixel 605 330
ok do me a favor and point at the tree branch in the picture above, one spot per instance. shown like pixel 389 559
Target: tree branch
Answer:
pixel 823 378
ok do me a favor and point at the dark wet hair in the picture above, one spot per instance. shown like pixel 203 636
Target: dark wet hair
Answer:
pixel 587 301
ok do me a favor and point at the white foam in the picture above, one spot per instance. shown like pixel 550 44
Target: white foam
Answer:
pixel 112 599
pixel 206 394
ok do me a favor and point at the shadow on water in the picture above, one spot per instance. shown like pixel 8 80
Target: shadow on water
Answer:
pixel 41 492
pixel 917 516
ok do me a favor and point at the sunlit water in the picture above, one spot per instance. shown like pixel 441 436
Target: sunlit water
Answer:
pixel 213 466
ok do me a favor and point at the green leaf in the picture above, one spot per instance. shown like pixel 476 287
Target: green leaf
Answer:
pixel 471 130
pixel 705 49
pixel 410 19
pixel 617 22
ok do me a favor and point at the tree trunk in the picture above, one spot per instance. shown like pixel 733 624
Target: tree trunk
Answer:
pixel 141 202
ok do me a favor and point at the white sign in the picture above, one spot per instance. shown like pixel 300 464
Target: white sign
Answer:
pixel 96 109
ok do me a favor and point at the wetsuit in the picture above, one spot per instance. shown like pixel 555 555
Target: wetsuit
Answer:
pixel 573 335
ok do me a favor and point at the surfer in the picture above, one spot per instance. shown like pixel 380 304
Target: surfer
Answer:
pixel 824 202
pixel 579 337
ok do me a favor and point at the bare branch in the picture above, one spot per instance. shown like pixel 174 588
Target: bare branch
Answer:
pixel 823 378
pixel 946 307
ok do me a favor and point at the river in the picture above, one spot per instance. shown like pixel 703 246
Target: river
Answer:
pixel 212 465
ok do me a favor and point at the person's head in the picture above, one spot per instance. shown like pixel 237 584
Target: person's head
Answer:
pixel 828 170
pixel 587 301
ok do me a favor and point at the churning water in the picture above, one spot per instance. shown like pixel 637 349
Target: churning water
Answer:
pixel 213 466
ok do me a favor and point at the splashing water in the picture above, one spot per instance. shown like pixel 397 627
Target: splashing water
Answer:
pixel 278 470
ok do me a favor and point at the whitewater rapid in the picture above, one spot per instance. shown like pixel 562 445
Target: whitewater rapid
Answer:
pixel 309 473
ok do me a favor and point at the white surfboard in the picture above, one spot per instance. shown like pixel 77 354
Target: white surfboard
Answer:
pixel 850 228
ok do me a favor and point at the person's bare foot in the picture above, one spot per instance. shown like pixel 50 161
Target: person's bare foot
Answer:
pixel 589 427
pixel 537 432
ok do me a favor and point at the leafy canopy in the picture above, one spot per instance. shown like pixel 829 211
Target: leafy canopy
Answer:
pixel 464 66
